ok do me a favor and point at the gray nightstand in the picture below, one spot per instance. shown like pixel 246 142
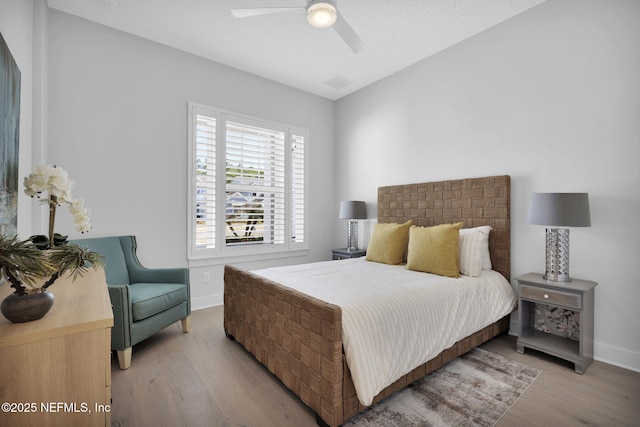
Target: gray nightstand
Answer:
pixel 575 297
pixel 343 253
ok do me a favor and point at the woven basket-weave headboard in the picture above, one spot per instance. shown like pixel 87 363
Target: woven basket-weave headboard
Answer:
pixel 474 201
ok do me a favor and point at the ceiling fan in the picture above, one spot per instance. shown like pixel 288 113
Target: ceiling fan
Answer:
pixel 320 14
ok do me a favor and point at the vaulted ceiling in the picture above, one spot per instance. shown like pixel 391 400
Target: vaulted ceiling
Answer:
pixel 285 48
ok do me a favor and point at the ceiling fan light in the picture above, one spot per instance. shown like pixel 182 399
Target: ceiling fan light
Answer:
pixel 321 15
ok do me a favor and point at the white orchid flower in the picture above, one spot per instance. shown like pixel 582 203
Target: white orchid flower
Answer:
pixel 56 182
pixel 80 215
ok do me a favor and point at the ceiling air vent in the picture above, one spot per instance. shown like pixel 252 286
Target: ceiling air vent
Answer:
pixel 338 82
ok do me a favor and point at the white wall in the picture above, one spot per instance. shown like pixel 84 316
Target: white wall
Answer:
pixel 117 119
pixel 552 98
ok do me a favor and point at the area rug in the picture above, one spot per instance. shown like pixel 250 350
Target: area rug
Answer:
pixel 476 389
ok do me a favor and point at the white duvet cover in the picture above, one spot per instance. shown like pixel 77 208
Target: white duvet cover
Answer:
pixel 394 319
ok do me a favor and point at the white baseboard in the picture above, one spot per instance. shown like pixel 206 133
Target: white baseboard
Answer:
pixel 207 301
pixel 617 356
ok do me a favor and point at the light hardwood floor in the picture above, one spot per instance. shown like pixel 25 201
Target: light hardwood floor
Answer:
pixel 204 379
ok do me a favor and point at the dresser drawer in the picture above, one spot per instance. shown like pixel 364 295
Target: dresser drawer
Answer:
pixel 549 296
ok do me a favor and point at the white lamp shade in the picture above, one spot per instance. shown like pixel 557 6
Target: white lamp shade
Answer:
pixel 353 209
pixel 559 209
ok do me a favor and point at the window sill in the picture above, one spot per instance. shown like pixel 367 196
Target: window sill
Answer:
pixel 231 259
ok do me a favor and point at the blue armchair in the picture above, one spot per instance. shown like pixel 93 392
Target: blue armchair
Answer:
pixel 144 300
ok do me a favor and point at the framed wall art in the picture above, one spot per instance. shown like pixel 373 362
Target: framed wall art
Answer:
pixel 9 140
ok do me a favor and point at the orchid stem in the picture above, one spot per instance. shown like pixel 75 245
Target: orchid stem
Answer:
pixel 53 202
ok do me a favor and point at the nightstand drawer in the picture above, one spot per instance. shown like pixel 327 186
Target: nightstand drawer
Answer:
pixel 548 296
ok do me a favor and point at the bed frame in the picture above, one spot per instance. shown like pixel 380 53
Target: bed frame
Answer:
pixel 299 338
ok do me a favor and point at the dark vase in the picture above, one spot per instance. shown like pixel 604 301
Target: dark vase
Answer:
pixel 25 308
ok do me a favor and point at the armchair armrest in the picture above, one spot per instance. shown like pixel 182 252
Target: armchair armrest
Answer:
pixel 139 274
pixel 121 306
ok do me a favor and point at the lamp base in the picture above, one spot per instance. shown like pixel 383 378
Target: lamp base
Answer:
pixel 557 255
pixel 352 236
pixel 552 278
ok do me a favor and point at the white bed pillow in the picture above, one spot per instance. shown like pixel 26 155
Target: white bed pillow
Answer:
pixel 473 250
pixel 486 255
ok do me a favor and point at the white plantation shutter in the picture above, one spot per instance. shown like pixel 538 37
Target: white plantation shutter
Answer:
pixel 205 187
pixel 297 189
pixel 259 166
pixel 255 185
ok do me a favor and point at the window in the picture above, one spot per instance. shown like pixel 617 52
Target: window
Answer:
pixel 247 190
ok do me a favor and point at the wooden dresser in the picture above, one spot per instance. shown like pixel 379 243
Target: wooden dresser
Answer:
pixel 56 371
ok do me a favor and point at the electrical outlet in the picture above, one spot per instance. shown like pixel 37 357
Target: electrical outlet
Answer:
pixel 206 277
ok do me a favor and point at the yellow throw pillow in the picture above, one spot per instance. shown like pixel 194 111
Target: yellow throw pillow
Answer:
pixel 435 249
pixel 388 243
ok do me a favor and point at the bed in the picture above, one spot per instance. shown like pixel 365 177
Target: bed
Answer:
pixel 299 337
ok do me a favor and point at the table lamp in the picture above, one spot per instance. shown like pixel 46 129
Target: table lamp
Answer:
pixel 352 210
pixel 558 211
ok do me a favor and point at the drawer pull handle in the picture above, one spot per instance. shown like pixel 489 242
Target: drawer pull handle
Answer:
pixel 546 296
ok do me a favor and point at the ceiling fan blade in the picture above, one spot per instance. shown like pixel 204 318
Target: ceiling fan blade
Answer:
pixel 349 36
pixel 244 13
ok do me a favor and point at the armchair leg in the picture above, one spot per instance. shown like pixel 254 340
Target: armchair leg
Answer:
pixel 124 358
pixel 186 324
